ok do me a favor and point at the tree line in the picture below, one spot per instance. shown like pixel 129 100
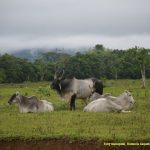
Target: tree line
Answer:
pixel 99 62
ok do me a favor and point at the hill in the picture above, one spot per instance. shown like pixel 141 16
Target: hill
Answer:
pixel 32 54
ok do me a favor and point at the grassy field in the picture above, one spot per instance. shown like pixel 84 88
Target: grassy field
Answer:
pixel 64 124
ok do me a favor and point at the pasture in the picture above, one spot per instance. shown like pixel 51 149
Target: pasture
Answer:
pixel 75 125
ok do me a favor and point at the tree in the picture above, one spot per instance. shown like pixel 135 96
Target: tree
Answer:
pixel 99 47
pixel 41 66
pixel 143 58
pixel 139 58
pixel 2 76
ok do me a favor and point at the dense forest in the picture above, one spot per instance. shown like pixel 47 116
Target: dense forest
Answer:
pixel 98 62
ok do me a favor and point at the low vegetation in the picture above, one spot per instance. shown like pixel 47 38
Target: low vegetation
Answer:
pixel 64 124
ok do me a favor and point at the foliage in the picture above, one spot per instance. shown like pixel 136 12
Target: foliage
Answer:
pixel 98 62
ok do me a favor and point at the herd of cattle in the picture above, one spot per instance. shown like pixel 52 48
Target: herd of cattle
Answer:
pixel 90 89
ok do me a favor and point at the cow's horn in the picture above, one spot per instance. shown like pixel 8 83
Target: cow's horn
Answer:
pixel 61 74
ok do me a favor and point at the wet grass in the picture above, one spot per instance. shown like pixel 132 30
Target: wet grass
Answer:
pixel 64 124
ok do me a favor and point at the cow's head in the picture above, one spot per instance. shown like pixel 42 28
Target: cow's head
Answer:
pixel 55 84
pixel 14 98
pixel 128 100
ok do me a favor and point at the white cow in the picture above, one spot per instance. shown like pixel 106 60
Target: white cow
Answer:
pixel 122 103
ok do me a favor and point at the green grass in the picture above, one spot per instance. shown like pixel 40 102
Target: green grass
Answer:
pixel 64 124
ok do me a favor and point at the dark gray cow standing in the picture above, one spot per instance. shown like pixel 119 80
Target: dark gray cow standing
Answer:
pixel 70 89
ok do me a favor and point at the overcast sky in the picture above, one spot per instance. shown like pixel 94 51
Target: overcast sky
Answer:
pixel 74 23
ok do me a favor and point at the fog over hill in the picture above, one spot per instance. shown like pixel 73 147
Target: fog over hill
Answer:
pixel 32 54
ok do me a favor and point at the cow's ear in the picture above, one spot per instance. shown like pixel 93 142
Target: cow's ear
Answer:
pixel 126 91
pixel 17 93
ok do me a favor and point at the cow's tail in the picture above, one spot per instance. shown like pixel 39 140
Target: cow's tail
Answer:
pixel 98 85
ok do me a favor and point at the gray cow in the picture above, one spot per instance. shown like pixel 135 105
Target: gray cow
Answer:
pixel 70 89
pixel 30 104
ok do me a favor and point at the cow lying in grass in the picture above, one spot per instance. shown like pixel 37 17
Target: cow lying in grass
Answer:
pixel 122 103
pixel 30 104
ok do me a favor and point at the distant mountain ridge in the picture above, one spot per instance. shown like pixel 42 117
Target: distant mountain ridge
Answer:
pixel 32 54
pixel 26 54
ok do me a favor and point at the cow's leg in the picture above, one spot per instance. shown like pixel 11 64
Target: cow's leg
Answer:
pixel 125 111
pixel 72 102
pixel 115 107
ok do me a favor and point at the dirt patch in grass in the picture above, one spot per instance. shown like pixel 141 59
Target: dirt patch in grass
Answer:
pixel 63 145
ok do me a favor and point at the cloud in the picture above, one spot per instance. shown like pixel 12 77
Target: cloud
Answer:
pixel 55 23
pixel 79 41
